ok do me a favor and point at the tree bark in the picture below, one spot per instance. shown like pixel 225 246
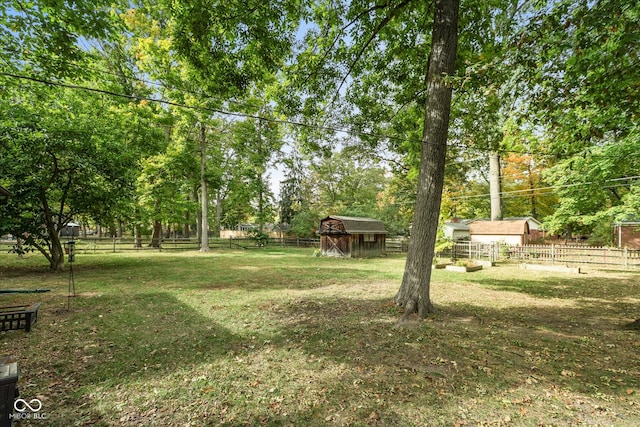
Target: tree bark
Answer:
pixel 138 236
pixel 156 236
pixel 413 294
pixel 196 197
pixel 495 186
pixel 218 214
pixel 204 244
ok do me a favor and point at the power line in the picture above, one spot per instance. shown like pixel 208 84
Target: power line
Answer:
pixel 201 108
pixel 549 189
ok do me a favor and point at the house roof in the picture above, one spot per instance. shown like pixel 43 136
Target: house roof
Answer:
pixel 502 228
pixel 530 219
pixel 358 225
pixel 628 223
pixel 460 226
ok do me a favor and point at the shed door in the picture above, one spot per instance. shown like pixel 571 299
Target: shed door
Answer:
pixel 337 245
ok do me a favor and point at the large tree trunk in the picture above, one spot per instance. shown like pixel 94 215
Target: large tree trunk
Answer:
pixel 495 187
pixel 204 244
pixel 413 294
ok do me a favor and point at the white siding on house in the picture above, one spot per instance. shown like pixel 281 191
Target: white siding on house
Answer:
pixel 489 238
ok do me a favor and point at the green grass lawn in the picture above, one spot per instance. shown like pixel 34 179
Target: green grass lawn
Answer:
pixel 279 337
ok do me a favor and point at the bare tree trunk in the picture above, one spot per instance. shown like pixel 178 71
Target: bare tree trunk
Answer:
pixel 138 236
pixel 186 229
pixel 198 216
pixel 156 236
pixel 495 186
pixel 204 244
pixel 218 214
pixel 532 188
pixel 413 294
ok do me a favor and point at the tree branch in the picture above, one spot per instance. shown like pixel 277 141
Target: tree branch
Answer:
pixel 381 25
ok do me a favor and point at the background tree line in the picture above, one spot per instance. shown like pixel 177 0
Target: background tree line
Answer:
pixel 144 113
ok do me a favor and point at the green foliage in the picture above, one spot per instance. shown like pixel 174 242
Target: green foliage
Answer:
pixel 45 37
pixel 260 237
pixel 59 160
pixel 305 224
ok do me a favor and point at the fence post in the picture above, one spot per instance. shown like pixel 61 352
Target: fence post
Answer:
pixel 553 253
pixel 626 257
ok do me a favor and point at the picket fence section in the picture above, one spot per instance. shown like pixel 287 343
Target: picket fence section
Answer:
pixel 546 254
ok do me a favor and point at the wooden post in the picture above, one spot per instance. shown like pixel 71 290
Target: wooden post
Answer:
pixel 553 253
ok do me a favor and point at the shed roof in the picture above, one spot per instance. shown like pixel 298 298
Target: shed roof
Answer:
pixel 502 228
pixel 358 225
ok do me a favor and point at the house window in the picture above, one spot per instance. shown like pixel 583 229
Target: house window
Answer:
pixel 369 237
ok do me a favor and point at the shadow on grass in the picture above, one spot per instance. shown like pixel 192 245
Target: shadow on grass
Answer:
pixel 573 287
pixel 111 341
pixel 467 351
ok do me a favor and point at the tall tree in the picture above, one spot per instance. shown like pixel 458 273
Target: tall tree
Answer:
pixel 57 155
pixel 583 58
pixel 414 293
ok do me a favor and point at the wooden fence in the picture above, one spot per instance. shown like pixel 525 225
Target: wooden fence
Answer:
pixel 124 244
pixel 546 254
pixel 584 255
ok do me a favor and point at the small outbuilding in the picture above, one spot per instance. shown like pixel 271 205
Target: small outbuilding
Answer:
pixel 457 229
pixel 354 237
pixel 626 234
pixel 513 232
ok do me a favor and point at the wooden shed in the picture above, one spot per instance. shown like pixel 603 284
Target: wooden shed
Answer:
pixel 514 232
pixel 344 236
